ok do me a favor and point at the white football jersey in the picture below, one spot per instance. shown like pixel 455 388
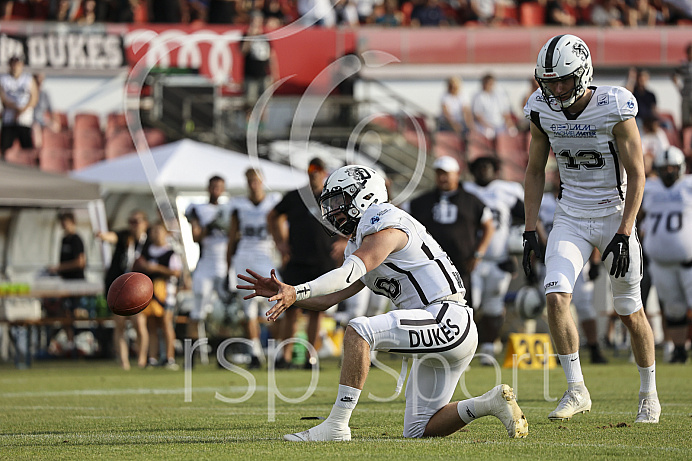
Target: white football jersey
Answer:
pixel 213 246
pixel 416 275
pixel 252 220
pixel 594 182
pixel 667 225
pixel 500 197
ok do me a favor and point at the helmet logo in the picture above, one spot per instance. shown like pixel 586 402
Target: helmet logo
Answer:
pixel 550 75
pixel 581 51
pixel 359 174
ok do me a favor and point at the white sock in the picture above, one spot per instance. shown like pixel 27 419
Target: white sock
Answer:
pixel 467 410
pixel 257 349
pixel 572 368
pixel 346 401
pixel 647 379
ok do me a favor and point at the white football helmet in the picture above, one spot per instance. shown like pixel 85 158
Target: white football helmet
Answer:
pixel 347 193
pixel 564 57
pixel 530 302
pixel 670 157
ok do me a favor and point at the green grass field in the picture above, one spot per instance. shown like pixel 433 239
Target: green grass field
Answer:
pixel 87 410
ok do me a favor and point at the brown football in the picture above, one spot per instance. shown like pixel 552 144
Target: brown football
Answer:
pixel 130 293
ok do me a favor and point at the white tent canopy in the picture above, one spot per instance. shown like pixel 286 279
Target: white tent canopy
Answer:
pixel 188 165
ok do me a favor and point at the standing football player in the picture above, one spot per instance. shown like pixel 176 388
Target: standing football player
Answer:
pixel 491 278
pixel 598 150
pixel 251 245
pixel 392 254
pixel 667 223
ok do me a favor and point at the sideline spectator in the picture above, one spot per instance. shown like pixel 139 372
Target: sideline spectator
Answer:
pixel 222 11
pixel 19 95
pixel 683 80
pixel 607 13
pixel 491 111
pixel 261 63
pixel 389 15
pixel 456 111
pixel 164 266
pixel 637 81
pixel 209 222
pixel 71 267
pixel 129 245
pixel 44 117
pixel 458 220
pixel 429 14
pixel 305 250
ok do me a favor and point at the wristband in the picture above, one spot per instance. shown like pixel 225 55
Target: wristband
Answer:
pixel 302 291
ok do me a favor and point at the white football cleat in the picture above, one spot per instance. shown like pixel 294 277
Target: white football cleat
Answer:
pixel 501 403
pixel 572 402
pixel 649 409
pixel 324 432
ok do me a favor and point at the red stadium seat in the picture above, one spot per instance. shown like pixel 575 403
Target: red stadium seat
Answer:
pixel 115 121
pixel 15 154
pixel 532 14
pixel 63 120
pixel 56 152
pixel 119 144
pixel 88 147
pixel 154 137
pixel 448 143
pixel 668 125
pixel 85 120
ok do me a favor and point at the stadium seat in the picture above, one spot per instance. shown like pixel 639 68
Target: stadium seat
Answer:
pixel 154 137
pixel 668 126
pixel 448 143
pixel 115 121
pixel 19 156
pixel 86 120
pixel 56 152
pixel 88 147
pixel 119 144
pixel 63 120
pixel 479 146
pixel 532 14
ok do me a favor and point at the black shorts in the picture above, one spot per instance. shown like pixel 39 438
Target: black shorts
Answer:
pixel 10 133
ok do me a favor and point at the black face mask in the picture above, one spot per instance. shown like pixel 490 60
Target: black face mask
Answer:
pixel 668 177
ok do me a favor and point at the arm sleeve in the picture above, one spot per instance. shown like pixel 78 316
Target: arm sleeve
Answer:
pixel 334 280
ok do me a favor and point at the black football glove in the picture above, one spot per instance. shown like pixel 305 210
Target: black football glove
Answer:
pixel 620 248
pixel 531 245
pixel 594 270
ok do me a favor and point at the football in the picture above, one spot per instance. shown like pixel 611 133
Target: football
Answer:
pixel 530 302
pixel 130 293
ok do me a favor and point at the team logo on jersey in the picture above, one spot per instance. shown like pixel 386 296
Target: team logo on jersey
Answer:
pixel 630 104
pixel 580 50
pixel 391 287
pixel 374 219
pixel 539 97
pixel 602 100
pixel 573 130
